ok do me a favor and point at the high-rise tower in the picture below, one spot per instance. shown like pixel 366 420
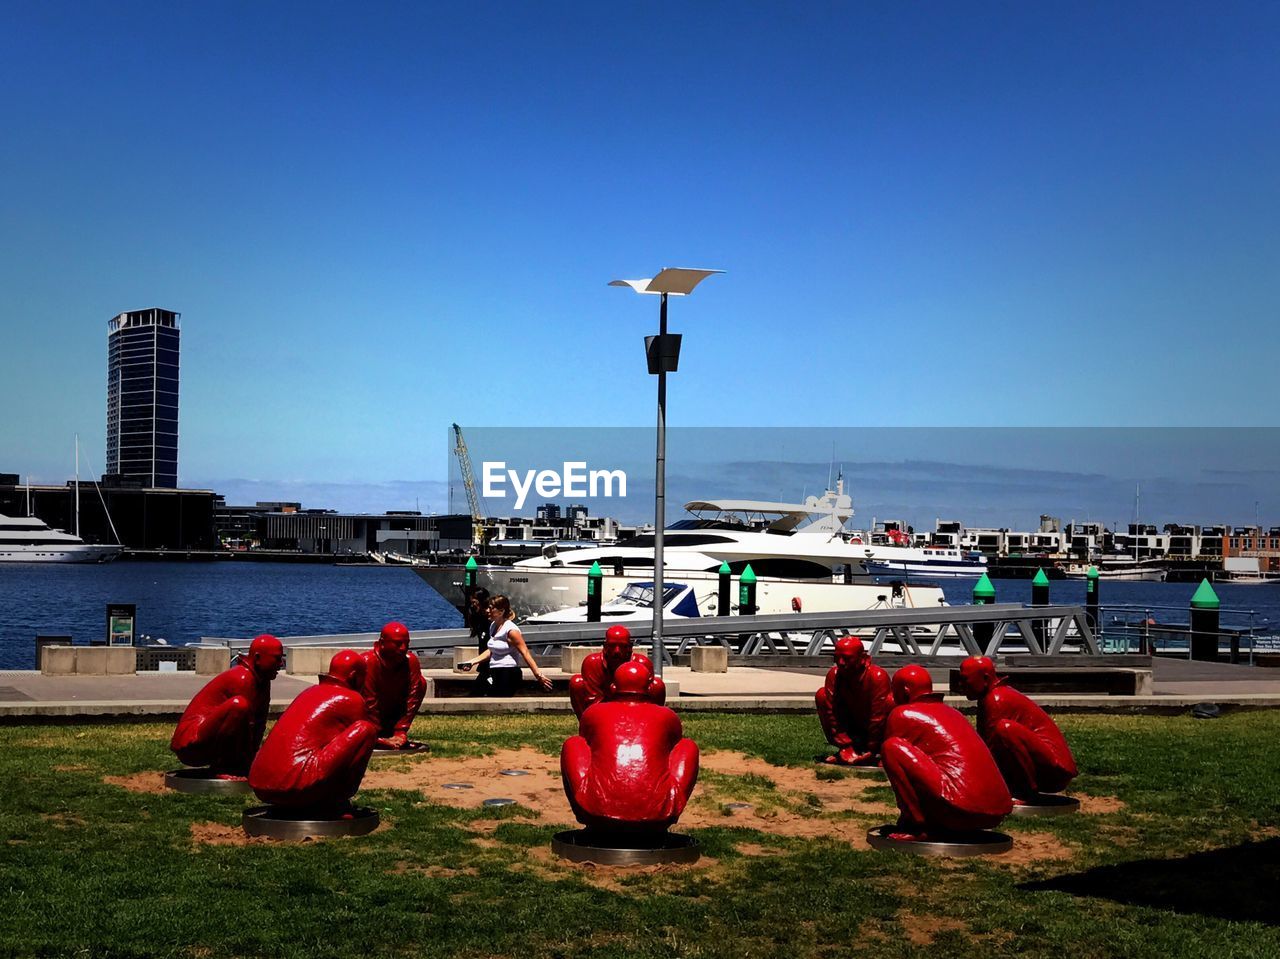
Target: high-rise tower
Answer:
pixel 142 396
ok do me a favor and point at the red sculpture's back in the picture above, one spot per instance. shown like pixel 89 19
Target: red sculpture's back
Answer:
pixel 942 773
pixel 630 767
pixel 1027 744
pixel 223 724
pixel 317 751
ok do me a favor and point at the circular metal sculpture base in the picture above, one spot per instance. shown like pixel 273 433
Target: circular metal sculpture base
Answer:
pixel 497 802
pixel 408 749
pixel 1046 804
pixel 581 845
pixel 279 822
pixel 981 842
pixel 514 772
pixel 204 780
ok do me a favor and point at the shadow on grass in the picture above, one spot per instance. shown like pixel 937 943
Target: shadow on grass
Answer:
pixel 1237 883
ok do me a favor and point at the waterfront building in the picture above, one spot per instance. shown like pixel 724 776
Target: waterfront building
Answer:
pixel 142 397
pixel 1142 541
pixel 1255 542
pixel 143 518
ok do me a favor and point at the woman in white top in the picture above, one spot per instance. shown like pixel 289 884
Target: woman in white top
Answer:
pixel 506 649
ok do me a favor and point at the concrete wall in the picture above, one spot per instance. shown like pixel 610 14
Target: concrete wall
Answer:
pixel 309 660
pixel 88 661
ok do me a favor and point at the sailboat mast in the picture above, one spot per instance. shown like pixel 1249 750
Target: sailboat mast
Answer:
pixel 77 484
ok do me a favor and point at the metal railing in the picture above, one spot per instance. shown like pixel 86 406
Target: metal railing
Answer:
pixel 1166 631
pixel 955 630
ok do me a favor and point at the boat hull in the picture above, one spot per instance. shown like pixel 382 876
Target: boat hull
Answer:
pixel 535 591
pixel 55 554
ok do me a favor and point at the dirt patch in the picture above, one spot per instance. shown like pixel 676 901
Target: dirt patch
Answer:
pixel 541 790
pixel 217 834
pixel 922 930
pixel 1029 847
pixel 148 782
pixel 62 820
pixel 70 769
pixel 1099 805
pixel 404 868
pixel 755 849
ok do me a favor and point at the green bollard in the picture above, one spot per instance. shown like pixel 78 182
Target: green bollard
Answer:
pixel 747 592
pixel 595 586
pixel 724 595
pixel 984 594
pixel 1205 610
pixel 468 585
pixel 1091 602
pixel 1040 597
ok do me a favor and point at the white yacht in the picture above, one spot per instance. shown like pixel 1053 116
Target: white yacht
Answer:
pixel 801 554
pixel 30 540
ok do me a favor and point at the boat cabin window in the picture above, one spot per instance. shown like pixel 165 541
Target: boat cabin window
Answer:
pixel 641 594
pixel 782 568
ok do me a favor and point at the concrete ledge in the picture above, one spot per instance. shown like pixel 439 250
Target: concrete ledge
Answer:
pixel 1039 681
pixel 58 660
pixel 571 657
pixel 88 660
pixel 709 659
pixel 212 660
pixel 309 660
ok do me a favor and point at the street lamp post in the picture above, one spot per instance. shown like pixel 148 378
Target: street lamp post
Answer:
pixel 663 354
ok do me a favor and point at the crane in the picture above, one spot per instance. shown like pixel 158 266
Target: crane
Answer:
pixel 469 481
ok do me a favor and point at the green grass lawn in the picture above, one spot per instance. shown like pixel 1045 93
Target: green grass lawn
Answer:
pixel 1185 864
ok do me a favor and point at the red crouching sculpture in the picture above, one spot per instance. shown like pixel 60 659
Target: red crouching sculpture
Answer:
pixel 854 704
pixel 393 686
pixel 630 770
pixel 592 684
pixel 1027 745
pixel 942 773
pixel 224 722
pixel 317 752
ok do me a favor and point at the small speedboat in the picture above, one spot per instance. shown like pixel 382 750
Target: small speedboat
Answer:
pixel 635 602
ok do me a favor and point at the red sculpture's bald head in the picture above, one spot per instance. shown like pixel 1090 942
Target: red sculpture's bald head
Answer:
pixel 393 643
pixel 266 656
pixel 911 684
pixel 977 675
pixel 617 647
pixel 631 681
pixel 851 654
pixel 347 668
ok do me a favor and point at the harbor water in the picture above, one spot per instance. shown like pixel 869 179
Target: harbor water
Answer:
pixel 181 602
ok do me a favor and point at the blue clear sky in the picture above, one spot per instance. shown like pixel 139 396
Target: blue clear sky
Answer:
pixel 377 219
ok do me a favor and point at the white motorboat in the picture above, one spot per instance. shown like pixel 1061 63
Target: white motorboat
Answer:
pixel 1245 571
pixel 1122 570
pixel 30 540
pixel 801 554
pixel 634 604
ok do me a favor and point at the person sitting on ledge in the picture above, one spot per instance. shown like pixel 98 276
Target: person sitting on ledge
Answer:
pixel 393 685
pixel 630 767
pixel 1028 746
pixel 317 751
pixel 223 724
pixel 853 705
pixel 592 684
pixel 941 771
